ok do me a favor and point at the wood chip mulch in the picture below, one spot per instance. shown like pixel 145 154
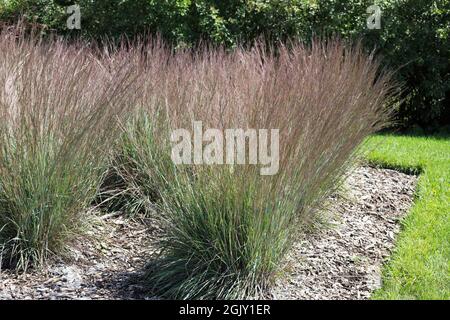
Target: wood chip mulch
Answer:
pixel 339 262
pixel 345 261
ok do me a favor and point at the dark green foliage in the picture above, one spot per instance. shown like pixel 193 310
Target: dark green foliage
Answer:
pixel 414 37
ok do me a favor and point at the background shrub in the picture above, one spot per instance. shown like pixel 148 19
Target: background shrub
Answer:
pixel 414 39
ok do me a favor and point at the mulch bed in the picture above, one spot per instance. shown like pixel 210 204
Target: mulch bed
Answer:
pixel 342 261
pixel 345 261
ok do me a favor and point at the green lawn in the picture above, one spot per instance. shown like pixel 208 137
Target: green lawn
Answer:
pixel 419 267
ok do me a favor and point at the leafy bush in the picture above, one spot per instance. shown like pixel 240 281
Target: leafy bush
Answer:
pixel 58 106
pixel 226 227
pixel 179 21
pixel 414 38
pixel 43 12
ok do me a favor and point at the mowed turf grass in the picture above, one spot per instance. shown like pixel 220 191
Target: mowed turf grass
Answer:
pixel 419 267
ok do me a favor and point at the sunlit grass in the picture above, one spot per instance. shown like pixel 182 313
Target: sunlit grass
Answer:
pixel 420 265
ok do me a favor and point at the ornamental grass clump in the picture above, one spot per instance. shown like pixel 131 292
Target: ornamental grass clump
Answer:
pixel 59 106
pixel 227 227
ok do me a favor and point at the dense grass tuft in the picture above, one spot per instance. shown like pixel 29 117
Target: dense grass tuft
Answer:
pixel 58 106
pixel 226 227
